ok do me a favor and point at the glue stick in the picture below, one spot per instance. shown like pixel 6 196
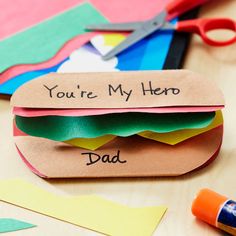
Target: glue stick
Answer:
pixel 216 210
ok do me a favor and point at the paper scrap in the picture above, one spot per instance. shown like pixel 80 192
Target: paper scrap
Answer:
pixel 41 42
pixel 10 225
pixel 92 212
pixel 90 143
pixel 10 86
pixel 61 128
pixel 175 137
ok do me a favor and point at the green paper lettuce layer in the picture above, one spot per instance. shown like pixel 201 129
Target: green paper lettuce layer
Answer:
pixel 62 128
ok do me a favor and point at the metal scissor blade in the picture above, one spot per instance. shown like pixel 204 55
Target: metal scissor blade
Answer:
pixel 115 26
pixel 130 40
pixel 168 26
pixel 145 29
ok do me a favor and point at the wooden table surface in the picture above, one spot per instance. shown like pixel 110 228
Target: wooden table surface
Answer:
pixel 218 64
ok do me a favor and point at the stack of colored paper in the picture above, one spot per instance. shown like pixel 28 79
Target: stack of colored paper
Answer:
pixel 118 124
pixel 54 39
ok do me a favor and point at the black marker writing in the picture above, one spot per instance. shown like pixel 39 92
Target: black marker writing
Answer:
pixel 119 89
pixel 158 91
pixel 94 158
pixel 59 94
pixel 55 92
pixel 87 94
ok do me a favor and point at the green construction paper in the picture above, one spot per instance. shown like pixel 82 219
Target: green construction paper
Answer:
pixel 42 41
pixel 61 128
pixel 9 225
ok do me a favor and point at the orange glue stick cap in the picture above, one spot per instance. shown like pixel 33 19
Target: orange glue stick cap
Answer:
pixel 207 205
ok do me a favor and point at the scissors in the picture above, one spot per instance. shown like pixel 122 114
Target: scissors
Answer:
pixel 161 22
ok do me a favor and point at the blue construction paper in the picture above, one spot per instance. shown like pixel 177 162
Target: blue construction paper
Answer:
pixel 148 54
pixel 157 50
pixel 131 58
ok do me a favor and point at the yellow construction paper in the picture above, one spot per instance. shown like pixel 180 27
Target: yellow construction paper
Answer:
pixel 178 136
pixel 113 39
pixel 92 212
pixel 105 42
pixel 90 143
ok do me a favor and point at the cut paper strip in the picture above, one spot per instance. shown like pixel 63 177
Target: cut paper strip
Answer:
pixel 43 41
pixel 181 135
pixel 30 112
pixel 92 212
pixel 113 11
pixel 10 225
pixel 123 90
pixel 10 86
pixel 61 128
pixel 128 157
pixel 91 143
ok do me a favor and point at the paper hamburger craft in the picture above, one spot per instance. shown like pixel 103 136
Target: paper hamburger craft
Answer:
pixel 121 124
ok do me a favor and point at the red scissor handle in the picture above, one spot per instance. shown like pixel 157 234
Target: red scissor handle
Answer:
pixel 202 26
pixel 178 7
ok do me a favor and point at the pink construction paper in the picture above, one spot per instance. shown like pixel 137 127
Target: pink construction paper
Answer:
pixel 131 10
pixel 29 165
pixel 30 12
pixel 23 14
pixel 18 15
pixel 28 112
pixel 17 132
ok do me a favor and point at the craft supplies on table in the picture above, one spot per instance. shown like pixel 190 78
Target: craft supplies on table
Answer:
pixel 216 210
